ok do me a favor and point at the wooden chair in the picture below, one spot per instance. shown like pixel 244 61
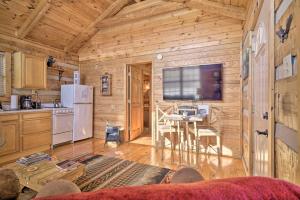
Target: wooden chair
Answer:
pixel 172 131
pixel 212 128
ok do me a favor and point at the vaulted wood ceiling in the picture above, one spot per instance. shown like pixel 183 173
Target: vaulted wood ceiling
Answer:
pixel 68 24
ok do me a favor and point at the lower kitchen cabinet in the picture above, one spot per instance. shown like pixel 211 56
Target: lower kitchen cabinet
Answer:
pixel 9 134
pixel 23 134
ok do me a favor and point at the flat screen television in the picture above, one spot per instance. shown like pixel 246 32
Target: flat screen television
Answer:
pixel 204 82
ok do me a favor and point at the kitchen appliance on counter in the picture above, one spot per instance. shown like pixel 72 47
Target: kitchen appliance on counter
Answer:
pixel 36 101
pixel 25 102
pixel 62 125
pixel 80 98
pixel 14 102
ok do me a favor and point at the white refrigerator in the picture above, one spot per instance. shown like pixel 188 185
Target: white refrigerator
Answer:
pixel 80 98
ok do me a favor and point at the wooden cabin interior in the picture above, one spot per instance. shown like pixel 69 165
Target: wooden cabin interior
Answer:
pixel 161 85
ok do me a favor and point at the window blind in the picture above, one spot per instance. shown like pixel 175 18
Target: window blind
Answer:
pixel 2 75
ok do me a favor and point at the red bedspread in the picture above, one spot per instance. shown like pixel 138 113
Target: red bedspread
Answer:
pixel 256 188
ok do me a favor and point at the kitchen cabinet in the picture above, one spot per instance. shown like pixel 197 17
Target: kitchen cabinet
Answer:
pixel 29 71
pixel 36 130
pixel 24 133
pixel 9 134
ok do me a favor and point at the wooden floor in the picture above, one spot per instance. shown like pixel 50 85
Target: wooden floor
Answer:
pixel 208 166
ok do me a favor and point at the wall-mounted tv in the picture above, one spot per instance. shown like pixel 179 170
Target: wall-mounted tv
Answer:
pixel 204 82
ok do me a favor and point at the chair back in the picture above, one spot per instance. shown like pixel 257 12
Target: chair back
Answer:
pixel 215 118
pixel 110 128
pixel 203 110
pixel 188 110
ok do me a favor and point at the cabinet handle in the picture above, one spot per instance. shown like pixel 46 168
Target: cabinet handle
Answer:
pixel 2 141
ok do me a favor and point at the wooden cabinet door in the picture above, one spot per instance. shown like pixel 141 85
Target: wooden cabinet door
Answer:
pixel 35 72
pixel 9 137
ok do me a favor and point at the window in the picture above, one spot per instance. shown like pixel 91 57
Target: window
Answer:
pixel 2 75
pixel 5 74
pixel 193 83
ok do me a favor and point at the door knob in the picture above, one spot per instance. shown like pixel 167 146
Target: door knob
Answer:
pixel 266 133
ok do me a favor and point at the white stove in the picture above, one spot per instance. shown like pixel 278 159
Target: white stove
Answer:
pixel 62 125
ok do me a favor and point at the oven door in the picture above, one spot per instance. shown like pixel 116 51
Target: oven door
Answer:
pixel 62 122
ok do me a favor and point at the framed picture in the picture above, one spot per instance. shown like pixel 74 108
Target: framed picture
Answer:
pixel 246 55
pixel 105 85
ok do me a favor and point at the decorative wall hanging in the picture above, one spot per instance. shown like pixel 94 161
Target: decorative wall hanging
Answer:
pixel 246 60
pixel 50 61
pixel 284 33
pixel 106 84
pixel 247 49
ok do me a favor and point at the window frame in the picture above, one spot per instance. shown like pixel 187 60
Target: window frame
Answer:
pixel 8 67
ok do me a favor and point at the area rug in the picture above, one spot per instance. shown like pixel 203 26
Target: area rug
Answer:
pixel 110 172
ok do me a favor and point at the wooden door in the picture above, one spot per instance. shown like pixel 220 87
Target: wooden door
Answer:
pixel 135 102
pixel 261 95
pixel 9 137
pixel 35 72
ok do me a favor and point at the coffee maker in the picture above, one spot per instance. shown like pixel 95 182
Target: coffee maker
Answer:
pixel 25 102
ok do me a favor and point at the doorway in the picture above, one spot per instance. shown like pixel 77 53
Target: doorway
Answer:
pixel 139 103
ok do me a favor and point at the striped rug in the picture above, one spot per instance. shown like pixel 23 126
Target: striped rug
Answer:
pixel 111 172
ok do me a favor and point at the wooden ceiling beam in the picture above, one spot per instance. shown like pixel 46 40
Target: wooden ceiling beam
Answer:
pixel 91 29
pixel 215 8
pixel 143 14
pixel 141 5
pixel 33 18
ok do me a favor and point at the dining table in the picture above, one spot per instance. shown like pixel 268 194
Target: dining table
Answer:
pixel 186 120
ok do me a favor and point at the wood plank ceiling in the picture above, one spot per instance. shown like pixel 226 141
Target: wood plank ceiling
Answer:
pixel 68 24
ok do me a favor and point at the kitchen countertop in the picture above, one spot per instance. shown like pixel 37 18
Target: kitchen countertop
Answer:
pixel 24 111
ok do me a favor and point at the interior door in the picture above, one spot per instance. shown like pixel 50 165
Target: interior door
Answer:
pixel 135 102
pixel 261 95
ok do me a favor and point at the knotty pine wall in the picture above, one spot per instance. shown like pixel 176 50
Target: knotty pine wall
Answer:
pixel 286 100
pixel 69 62
pixel 185 39
pixel 286 97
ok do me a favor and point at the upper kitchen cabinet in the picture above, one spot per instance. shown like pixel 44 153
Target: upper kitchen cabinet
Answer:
pixel 29 71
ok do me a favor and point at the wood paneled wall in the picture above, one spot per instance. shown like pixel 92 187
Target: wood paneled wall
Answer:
pixel 287 97
pixel 68 62
pixel 185 39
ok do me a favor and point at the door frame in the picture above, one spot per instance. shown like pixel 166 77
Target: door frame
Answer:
pixel 127 105
pixel 271 92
